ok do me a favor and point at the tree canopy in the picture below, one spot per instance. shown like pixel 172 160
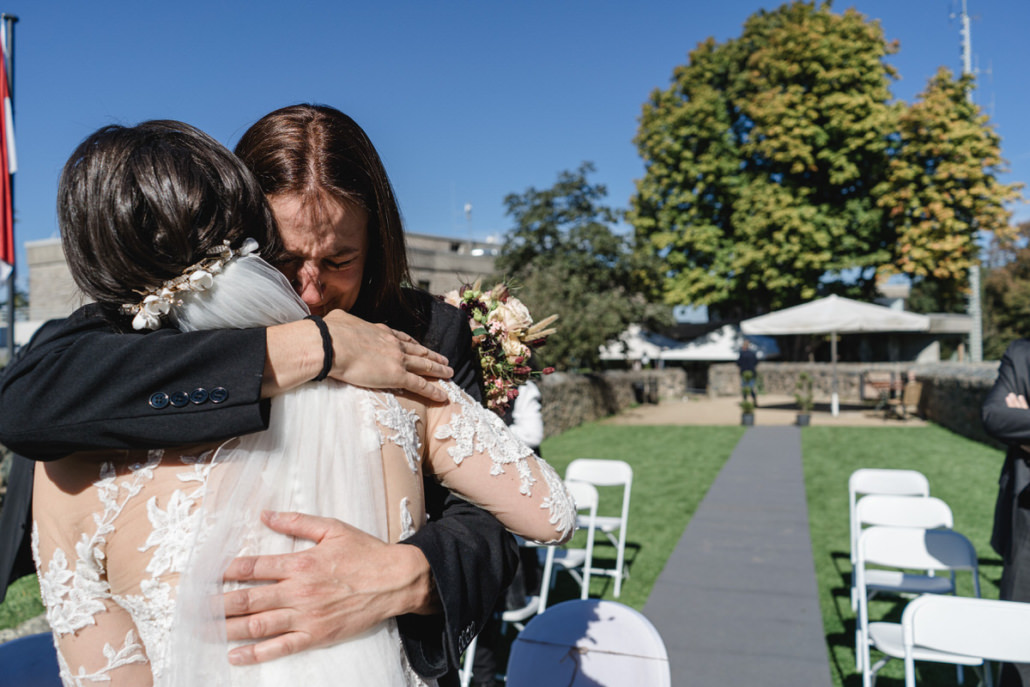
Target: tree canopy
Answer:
pixel 777 167
pixel 1006 298
pixel 563 257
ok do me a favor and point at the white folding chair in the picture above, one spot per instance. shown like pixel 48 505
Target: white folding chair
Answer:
pixel 885 481
pixel 924 512
pixel 577 562
pixel 608 473
pixel 589 642
pixel 953 629
pixel 928 513
pixel 907 548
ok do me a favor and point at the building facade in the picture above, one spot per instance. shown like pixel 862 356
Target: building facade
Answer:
pixel 438 264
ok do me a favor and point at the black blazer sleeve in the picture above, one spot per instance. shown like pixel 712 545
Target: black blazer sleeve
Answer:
pixel 80 384
pixel 472 557
pixel 1009 425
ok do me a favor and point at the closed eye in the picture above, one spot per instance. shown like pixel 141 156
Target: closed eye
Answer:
pixel 339 264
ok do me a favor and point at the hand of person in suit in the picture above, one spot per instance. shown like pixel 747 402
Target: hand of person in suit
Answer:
pixel 364 354
pixel 339 588
pixel 1013 400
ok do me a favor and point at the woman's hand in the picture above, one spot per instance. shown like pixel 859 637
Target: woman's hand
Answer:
pixel 364 354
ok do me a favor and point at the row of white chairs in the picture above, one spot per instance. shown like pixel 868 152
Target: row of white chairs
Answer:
pixel 897 528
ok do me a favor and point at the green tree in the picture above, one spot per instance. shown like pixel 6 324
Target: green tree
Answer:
pixel 1006 298
pixel 760 158
pixel 776 164
pixel 563 257
pixel 942 188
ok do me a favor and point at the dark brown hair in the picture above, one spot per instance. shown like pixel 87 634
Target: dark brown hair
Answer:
pixel 137 205
pixel 321 154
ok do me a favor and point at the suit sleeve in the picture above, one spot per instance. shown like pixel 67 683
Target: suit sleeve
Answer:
pixel 1009 425
pixel 472 557
pixel 81 385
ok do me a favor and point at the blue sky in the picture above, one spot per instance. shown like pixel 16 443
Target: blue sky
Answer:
pixel 466 101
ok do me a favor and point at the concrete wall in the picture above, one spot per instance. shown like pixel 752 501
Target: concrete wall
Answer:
pixel 52 292
pixel 437 263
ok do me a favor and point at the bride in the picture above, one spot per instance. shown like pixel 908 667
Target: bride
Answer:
pixel 162 226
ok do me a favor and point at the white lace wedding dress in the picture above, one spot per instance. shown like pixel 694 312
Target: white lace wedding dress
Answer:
pixel 130 545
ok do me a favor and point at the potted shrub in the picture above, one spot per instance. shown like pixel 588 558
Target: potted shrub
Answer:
pixel 747 412
pixel 803 398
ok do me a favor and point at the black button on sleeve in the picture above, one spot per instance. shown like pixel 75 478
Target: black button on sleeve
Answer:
pixel 159 400
pixel 198 396
pixel 219 394
pixel 180 399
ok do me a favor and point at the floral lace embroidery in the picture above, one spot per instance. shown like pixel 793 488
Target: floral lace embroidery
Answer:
pixel 563 509
pixel 477 430
pixel 407 521
pixel 131 652
pixel 404 425
pixel 74 598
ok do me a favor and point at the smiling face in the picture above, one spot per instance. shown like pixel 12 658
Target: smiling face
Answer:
pixel 327 243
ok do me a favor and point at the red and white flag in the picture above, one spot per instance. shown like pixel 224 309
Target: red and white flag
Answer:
pixel 8 166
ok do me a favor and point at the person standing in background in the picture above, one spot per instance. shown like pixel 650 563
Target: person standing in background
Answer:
pixel 748 362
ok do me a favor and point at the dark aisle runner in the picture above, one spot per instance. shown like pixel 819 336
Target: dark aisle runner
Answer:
pixel 737 602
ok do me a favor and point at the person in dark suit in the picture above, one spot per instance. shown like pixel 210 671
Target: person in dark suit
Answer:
pixel 80 385
pixel 748 364
pixel 1006 417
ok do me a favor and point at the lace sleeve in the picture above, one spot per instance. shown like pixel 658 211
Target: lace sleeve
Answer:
pixel 96 639
pixel 475 455
pixel 109 651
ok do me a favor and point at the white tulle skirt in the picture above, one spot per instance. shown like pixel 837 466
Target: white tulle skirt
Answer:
pixel 321 455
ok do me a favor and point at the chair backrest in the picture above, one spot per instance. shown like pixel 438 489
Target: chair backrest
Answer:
pixel 985 628
pixel 29 660
pixel 910 396
pixel 916 548
pixel 604 473
pixel 600 471
pixel 886 481
pixel 585 496
pixel 927 512
pixel 589 642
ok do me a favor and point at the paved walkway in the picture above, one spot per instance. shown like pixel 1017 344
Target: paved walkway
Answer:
pixel 737 602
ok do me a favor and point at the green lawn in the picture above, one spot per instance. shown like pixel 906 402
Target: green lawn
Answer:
pixel 963 473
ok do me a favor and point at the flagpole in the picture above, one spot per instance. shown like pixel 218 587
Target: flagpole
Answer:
pixel 9 21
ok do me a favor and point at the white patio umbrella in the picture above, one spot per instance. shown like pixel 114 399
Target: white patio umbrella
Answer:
pixel 835 315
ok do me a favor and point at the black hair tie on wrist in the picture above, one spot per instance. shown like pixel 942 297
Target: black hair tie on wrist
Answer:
pixel 327 347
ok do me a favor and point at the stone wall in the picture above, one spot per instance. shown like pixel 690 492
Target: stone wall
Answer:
pixel 569 400
pixel 952 393
pixel 853 379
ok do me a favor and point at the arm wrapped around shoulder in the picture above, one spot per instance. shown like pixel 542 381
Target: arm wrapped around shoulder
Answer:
pixel 475 455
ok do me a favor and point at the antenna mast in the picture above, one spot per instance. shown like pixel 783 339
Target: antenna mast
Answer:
pixel 975 311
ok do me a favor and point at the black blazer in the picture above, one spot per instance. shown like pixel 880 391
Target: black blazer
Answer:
pixel 81 385
pixel 1011 426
